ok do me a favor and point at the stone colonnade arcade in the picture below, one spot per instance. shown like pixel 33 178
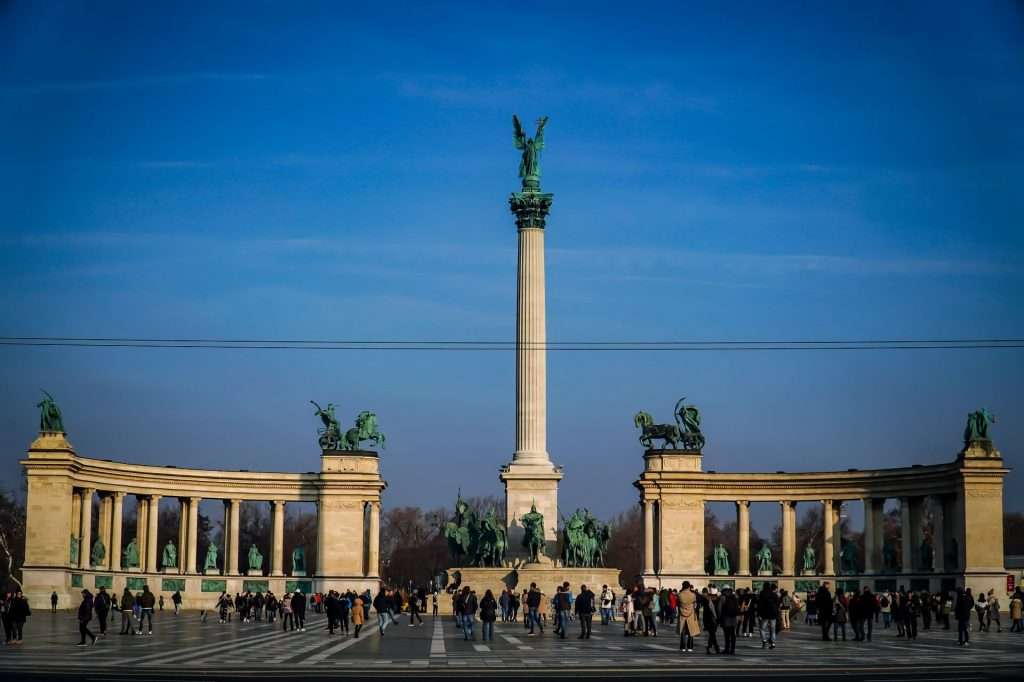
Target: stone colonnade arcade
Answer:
pixel 965 547
pixel 61 485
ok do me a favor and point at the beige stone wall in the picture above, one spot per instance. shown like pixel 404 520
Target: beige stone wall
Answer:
pixel 681 527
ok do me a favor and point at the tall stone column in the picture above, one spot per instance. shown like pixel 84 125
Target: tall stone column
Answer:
pixel 788 537
pixel 869 535
pixel 76 513
pixel 117 521
pixel 373 551
pixel 232 563
pixel 743 537
pixel 182 540
pixel 104 527
pixel 837 535
pixel 648 537
pixel 906 536
pixel 277 544
pixel 530 478
pixel 152 537
pixel 193 535
pixel 141 528
pixel 828 563
pixel 85 548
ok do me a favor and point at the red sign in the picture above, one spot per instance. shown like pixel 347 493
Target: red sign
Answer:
pixel 1009 583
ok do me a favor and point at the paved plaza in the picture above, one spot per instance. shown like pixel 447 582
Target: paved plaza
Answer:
pixel 183 647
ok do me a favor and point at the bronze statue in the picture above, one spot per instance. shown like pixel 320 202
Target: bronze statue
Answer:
pixel 529 167
pixel 50 418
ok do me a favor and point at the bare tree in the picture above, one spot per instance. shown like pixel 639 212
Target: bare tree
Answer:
pixel 12 538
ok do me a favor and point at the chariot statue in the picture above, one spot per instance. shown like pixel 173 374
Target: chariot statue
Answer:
pixel 685 431
pixel 331 436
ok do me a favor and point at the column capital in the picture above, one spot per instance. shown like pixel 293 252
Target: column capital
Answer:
pixel 278 503
pixel 118 494
pixel 87 491
pixel 742 503
pixel 155 497
pixel 195 500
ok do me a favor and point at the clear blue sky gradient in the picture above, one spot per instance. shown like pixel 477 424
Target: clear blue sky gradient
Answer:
pixel 341 172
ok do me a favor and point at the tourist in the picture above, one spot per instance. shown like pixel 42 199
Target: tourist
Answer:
pixel 125 606
pixel 607 605
pixel 885 604
pixel 53 602
pixel 728 614
pixel 382 605
pixel 176 600
pixel 458 605
pixel 533 602
pixel 584 608
pixel 687 625
pixel 925 601
pixel 469 609
pixel 161 602
pixel 768 613
pixel 710 606
pixel 84 616
pixel 287 617
pixel 910 614
pixel 811 614
pixel 628 615
pixel 504 604
pixel 515 604
pixel 562 606
pixel 823 606
pixel 358 614
pixel 146 603
pixel 299 610
pixel 839 616
pixel 414 609
pixel 272 606
pixel 101 603
pixel 1017 611
pixel 993 612
pixel 649 604
pixel 785 604
pixel 434 602
pixel 981 609
pixel 868 613
pixel 488 614
pixel 962 608
pixel 332 606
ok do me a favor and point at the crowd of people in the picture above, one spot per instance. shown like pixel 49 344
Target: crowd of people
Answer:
pixel 739 613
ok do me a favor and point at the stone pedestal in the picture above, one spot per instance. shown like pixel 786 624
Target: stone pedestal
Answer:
pixel 298 574
pixel 719 571
pixel 258 572
pixel 170 570
pixel 212 571
pixel 528 485
pixel 765 574
pixel 547 578
pixel 808 573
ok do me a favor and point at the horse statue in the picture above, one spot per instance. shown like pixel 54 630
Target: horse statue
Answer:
pixel 649 431
pixel 491 542
pixel 365 429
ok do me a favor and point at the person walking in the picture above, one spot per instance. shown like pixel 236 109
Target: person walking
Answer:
pixel 146 603
pixel 687 625
pixel 868 613
pixel 84 616
pixel 533 599
pixel 981 608
pixel 728 614
pixel 823 605
pixel 53 602
pixel 414 609
pixel 357 616
pixel 126 605
pixel 469 609
pixel 962 608
pixel 584 608
pixel 382 605
pixel 1017 611
pixel 993 612
pixel 785 604
pixel 607 605
pixel 299 610
pixel 768 613
pixel 18 613
pixel 101 603
pixel 839 617
pixel 562 608
pixel 710 604
pixel 886 606
pixel 488 614
pixel 176 600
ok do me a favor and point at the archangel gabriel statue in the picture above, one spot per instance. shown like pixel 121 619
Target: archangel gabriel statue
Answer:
pixel 529 167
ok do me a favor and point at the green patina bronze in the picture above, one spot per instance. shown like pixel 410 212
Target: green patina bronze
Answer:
pixel 131 554
pixel 331 436
pixel 135 584
pixel 807 586
pixel 764 560
pixel 99 553
pixel 810 559
pixel 584 540
pixel 530 206
pixel 172 585
pixel 170 555
pixel 106 581
pixel 255 559
pixel 255 586
pixel 76 580
pixel 533 533
pixel 720 557
pixel 685 431
pixel 304 586
pixel 848 559
pixel 214 586
pixel 50 418
pixel 475 540
pixel 73 550
pixel 211 558
pixel 977 425
pixel 298 561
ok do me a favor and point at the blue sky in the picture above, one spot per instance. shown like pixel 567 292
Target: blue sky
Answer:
pixel 312 170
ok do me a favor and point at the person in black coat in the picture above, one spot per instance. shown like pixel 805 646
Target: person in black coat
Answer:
pixel 299 610
pixel 332 606
pixel 84 616
pixel 488 614
pixel 728 615
pixel 823 603
pixel 709 617
pixel 768 613
pixel 584 608
pixel 963 605
pixel 101 603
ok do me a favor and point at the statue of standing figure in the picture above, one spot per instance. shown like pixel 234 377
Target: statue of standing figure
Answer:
pixel 764 560
pixel 73 554
pixel 170 555
pixel 533 533
pixel 50 418
pixel 888 556
pixel 298 561
pixel 848 559
pixel 927 556
pixel 255 559
pixel 131 554
pixel 721 557
pixel 529 166
pixel 977 425
pixel 810 560
pixel 211 558
pixel 99 553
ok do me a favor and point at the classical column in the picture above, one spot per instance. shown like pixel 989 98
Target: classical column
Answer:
pixel 938 536
pixel 141 526
pixel 232 562
pixel 743 536
pixel 788 537
pixel 182 533
pixel 828 565
pixel 76 513
pixel 869 535
pixel 837 534
pixel 104 527
pixel 85 548
pixel 193 536
pixel 277 547
pixel 117 521
pixel 152 538
pixel 906 536
pixel 373 553
pixel 648 537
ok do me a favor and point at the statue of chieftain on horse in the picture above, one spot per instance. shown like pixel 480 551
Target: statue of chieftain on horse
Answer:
pixel 475 540
pixel 686 430
pixel 584 540
pixel 332 438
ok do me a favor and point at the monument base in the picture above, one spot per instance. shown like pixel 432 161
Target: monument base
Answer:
pixel 719 571
pixel 170 571
pixel 527 485
pixel 212 571
pixel 298 574
pixel 765 574
pixel 547 578
pixel 808 572
pixel 257 573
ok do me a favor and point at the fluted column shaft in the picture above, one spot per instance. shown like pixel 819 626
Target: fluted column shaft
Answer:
pixel 117 521
pixel 531 354
pixel 373 554
pixel 104 527
pixel 837 535
pixel 277 546
pixel 788 537
pixel 152 538
pixel 743 537
pixel 828 564
pixel 648 537
pixel 193 535
pixel 236 508
pixel 182 533
pixel 85 546
pixel 141 529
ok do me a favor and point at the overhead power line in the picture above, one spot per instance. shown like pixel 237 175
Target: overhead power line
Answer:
pixel 465 345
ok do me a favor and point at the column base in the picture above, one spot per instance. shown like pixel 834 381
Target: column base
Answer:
pixel 170 571
pixel 257 572
pixel 212 571
pixel 529 484
pixel 808 573
pixel 765 574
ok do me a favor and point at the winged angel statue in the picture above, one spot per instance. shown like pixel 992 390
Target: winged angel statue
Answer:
pixel 529 167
